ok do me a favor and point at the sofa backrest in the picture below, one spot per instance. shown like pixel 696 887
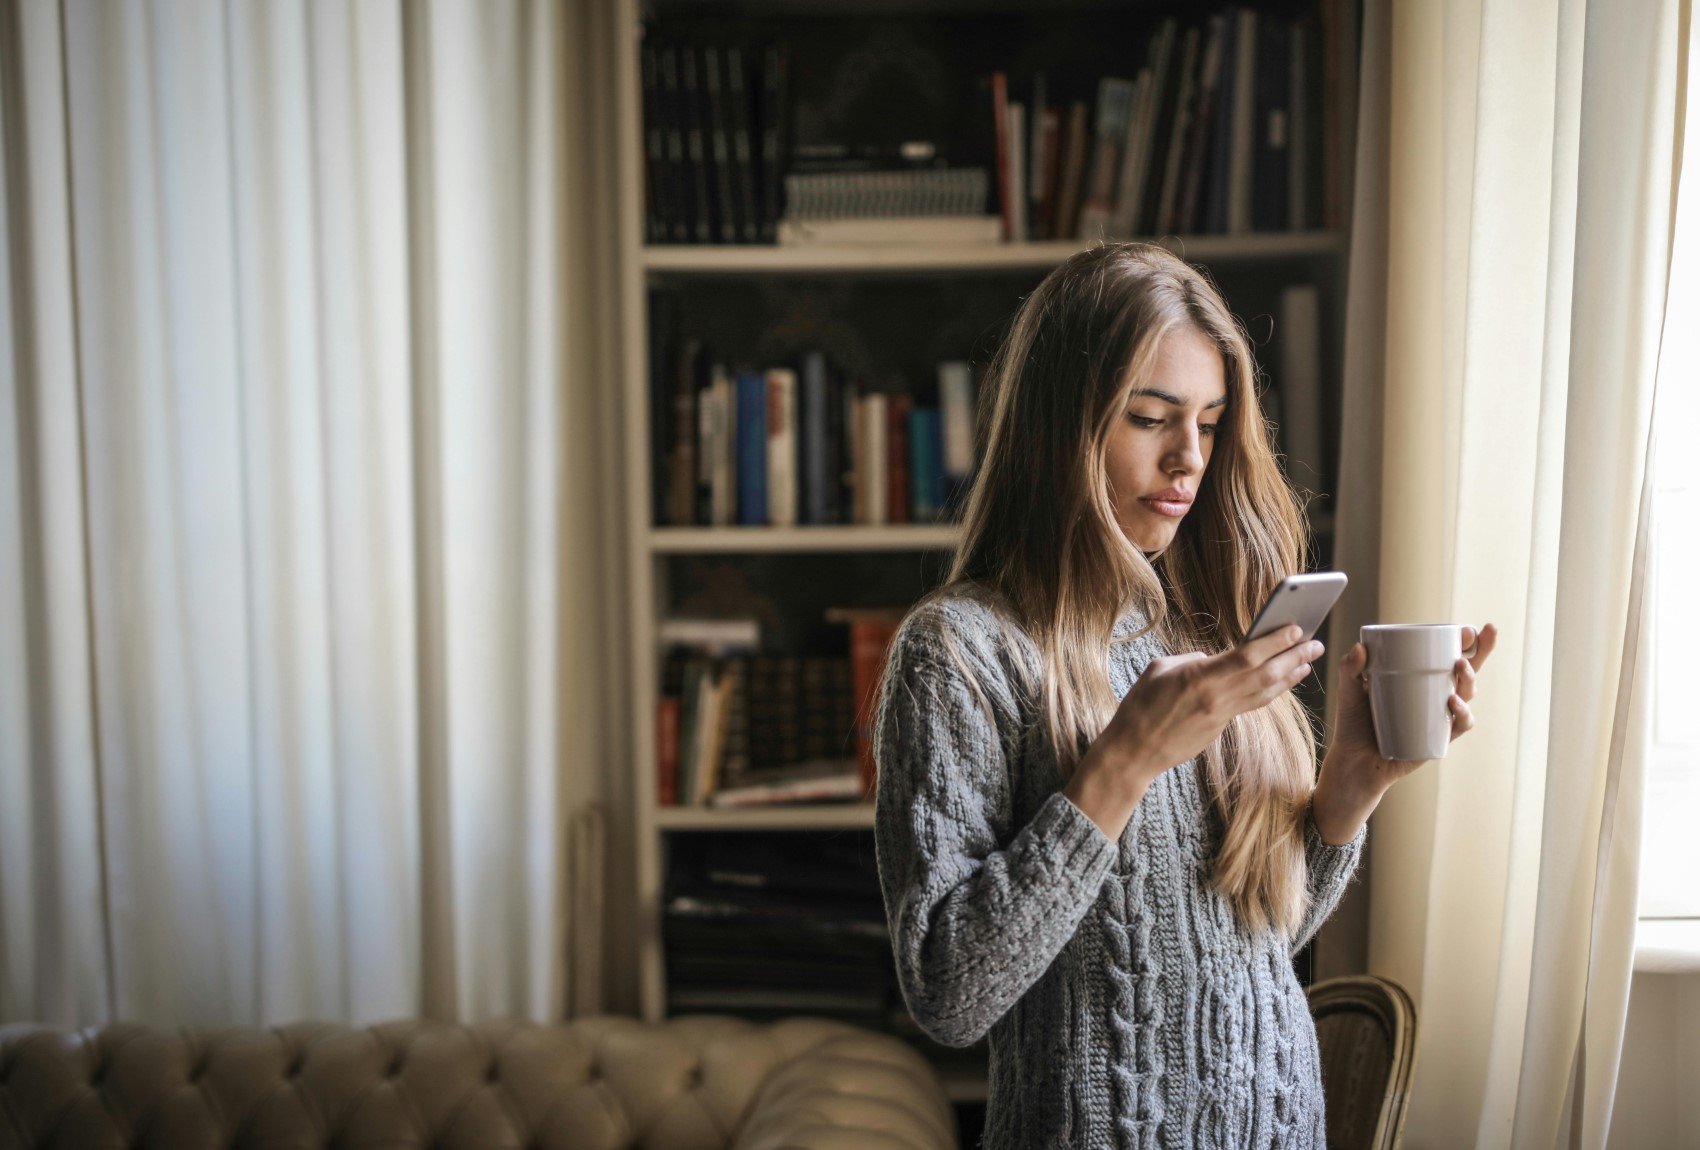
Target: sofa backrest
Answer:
pixel 603 1083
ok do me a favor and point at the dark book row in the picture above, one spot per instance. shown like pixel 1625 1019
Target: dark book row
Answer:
pixel 713 141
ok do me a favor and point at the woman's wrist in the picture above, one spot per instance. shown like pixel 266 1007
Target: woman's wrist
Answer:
pixel 1346 795
pixel 1106 787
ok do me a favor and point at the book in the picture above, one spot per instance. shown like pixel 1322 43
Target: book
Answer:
pixel 1299 105
pixel 1017 190
pixel 1115 106
pixel 1186 100
pixel 727 224
pixel 1242 143
pixel 871 459
pixel 1151 89
pixel 781 447
pixel 714 704
pixel 722 453
pixel 752 448
pixel 696 144
pixel 1047 173
pixel 1301 386
pixel 667 750
pixel 1073 173
pixel 963 229
pixel 682 468
pixel 871 632
pixel 956 417
pixel 671 106
pixel 925 499
pixel 710 636
pixel 1270 174
pixel 1214 217
pixel 1194 188
pixel 774 83
pixel 844 787
pixel 743 114
pixel 1001 131
pixel 814 423
pixel 657 209
pixel 898 405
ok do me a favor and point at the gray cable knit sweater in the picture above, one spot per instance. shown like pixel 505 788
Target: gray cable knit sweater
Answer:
pixel 1126 1004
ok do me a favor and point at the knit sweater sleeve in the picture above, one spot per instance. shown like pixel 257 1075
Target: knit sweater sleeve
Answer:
pixel 977 907
pixel 1328 871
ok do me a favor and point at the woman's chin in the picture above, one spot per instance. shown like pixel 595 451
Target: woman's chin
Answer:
pixel 1149 532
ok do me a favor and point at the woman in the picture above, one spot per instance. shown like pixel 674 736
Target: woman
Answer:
pixel 1101 831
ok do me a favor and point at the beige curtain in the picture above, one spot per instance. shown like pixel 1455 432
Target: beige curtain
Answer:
pixel 303 592
pixel 1507 299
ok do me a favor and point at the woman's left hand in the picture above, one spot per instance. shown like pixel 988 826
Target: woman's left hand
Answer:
pixel 1354 774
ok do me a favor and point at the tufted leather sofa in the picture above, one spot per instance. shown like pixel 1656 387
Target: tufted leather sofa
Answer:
pixel 693 1083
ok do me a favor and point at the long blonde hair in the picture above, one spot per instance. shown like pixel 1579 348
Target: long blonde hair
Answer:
pixel 1042 542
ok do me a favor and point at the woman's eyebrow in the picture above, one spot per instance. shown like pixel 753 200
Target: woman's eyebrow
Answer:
pixel 1171 397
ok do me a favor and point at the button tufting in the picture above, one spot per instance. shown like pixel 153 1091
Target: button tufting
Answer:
pixel 490 1072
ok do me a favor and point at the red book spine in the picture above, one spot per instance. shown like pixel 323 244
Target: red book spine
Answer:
pixel 869 639
pixel 667 751
pixel 1000 122
pixel 897 457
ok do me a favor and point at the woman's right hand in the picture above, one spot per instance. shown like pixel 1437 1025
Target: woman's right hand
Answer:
pixel 1180 706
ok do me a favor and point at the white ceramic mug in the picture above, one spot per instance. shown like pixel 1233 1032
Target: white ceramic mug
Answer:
pixel 1410 679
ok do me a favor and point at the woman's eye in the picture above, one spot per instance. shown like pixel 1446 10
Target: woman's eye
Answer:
pixel 1207 428
pixel 1143 421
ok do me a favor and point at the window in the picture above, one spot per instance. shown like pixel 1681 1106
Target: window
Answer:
pixel 1670 836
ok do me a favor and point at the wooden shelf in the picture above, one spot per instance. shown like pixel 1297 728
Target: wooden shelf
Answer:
pixel 897 537
pixel 822 816
pixel 714 259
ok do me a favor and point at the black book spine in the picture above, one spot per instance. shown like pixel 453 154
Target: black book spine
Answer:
pixel 661 310
pixel 774 139
pixel 654 152
pixel 720 145
pixel 1269 178
pixel 673 129
pixel 835 505
pixel 696 152
pixel 743 157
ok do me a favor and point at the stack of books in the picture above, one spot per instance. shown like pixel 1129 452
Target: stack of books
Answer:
pixel 811 907
pixel 805 444
pixel 737 728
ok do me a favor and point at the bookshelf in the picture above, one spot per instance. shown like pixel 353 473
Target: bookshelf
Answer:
pixel 732 283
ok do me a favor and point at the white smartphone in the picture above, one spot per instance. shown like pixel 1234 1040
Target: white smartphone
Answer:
pixel 1302 599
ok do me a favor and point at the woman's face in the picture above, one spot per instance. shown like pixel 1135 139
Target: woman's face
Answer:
pixel 1162 444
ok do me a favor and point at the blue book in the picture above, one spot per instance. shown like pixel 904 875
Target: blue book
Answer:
pixel 813 417
pixel 752 448
pixel 925 475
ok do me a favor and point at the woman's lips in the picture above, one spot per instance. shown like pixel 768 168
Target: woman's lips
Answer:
pixel 1171 508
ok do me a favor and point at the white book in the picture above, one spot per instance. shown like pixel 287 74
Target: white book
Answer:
pixel 715 636
pixel 892 230
pixel 1301 384
pixel 956 417
pixel 723 481
pixel 873 447
pixel 847 785
pixel 781 447
pixel 1244 138
pixel 1015 182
